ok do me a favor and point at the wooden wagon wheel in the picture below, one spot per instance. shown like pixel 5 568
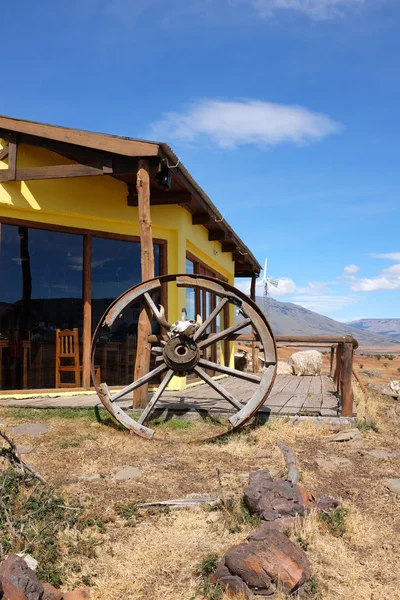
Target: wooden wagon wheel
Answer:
pixel 181 348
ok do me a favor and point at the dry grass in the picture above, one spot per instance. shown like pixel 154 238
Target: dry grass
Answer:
pixel 153 554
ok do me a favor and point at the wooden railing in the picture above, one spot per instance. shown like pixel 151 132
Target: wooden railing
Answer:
pixel 341 370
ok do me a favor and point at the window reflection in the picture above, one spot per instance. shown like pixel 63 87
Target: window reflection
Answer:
pixel 40 291
pixel 116 267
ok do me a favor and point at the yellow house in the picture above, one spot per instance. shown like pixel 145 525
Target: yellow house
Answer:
pixel 70 244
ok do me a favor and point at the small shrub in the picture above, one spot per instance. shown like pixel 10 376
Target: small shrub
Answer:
pixel 361 366
pixel 312 588
pixel 209 564
pixel 378 356
pixel 302 542
pixel 386 365
pixel 398 369
pixel 206 588
pixel 126 511
pixel 366 425
pixel 335 521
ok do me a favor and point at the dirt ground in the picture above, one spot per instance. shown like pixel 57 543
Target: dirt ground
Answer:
pixel 157 554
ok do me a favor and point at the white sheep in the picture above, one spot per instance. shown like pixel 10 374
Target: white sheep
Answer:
pixel 284 368
pixel 308 362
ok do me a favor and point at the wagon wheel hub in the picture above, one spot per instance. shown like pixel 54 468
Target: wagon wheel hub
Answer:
pixel 181 354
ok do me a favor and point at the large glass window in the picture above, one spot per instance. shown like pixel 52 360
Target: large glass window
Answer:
pixel 40 292
pixel 115 268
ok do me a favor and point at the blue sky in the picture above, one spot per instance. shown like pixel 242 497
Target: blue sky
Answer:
pixel 285 111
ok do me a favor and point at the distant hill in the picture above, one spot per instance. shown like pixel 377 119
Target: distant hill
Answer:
pixel 387 327
pixel 290 319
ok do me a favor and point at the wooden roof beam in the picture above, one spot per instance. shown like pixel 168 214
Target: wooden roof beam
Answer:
pixel 228 247
pixel 201 219
pixel 216 235
pixel 97 141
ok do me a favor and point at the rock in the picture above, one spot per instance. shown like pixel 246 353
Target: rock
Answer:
pixel 126 473
pixel 263 531
pixel 30 561
pixel 332 463
pixel 90 477
pixel 18 581
pixel 78 594
pixel 394 485
pixel 262 565
pixel 51 593
pixel 244 476
pixel 382 454
pixel 34 429
pixel 273 499
pixel 24 449
pixel 349 435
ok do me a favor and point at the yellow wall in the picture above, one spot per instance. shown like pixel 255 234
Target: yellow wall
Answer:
pixel 99 204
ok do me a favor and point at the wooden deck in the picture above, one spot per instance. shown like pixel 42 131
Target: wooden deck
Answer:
pixel 306 395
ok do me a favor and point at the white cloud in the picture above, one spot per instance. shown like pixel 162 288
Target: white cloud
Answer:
pixel 230 124
pixel 351 269
pixel 375 284
pixel 393 271
pixel 324 303
pixel 390 256
pixel 318 10
pixel 387 279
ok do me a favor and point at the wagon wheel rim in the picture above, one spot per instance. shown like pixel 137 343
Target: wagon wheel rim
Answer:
pixel 175 355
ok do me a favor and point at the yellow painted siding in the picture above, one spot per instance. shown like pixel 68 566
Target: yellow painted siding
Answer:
pixel 100 204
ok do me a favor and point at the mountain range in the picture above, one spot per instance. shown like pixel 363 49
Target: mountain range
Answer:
pixel 290 319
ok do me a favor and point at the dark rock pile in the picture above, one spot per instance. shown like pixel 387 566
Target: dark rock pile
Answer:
pixel 270 560
pixel 19 582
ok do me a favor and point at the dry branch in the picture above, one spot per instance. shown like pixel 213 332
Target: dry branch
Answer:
pixel 293 474
pixel 13 456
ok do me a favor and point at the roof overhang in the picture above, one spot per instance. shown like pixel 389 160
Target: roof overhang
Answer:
pixel 116 156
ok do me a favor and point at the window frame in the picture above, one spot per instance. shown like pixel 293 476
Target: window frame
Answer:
pixel 88 235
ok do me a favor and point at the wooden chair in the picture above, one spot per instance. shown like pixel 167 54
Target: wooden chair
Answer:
pixel 67 358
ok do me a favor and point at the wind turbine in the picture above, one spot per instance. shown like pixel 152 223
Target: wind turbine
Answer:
pixel 267 281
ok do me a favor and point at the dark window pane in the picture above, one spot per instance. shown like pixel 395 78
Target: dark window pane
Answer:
pixel 116 268
pixel 40 291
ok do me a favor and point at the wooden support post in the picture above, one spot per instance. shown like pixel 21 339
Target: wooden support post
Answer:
pixel 338 366
pixel 87 309
pixel 254 345
pixel 12 157
pixel 345 380
pixel 142 361
pixel 331 362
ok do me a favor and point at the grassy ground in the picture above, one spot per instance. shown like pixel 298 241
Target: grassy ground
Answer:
pixel 158 554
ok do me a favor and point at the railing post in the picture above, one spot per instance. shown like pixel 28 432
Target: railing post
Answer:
pixel 331 362
pixel 338 367
pixel 345 379
pixel 254 345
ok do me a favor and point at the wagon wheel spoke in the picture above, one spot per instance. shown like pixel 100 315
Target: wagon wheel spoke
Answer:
pixel 157 313
pixel 208 364
pixel 210 318
pixel 135 384
pixel 218 388
pixel 223 334
pixel 156 396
